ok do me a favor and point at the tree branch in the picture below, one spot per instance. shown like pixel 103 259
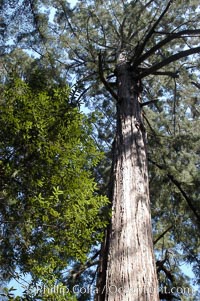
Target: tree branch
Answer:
pixel 169 60
pixel 197 85
pixel 178 185
pixel 151 32
pixel 170 37
pixel 163 73
pixel 160 264
pixel 167 73
pixel 102 78
pixel 188 200
pixel 162 234
pixel 74 274
pixel 148 102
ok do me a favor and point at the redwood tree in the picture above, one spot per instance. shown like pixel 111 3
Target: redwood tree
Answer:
pixel 125 50
pixel 131 43
pixel 131 273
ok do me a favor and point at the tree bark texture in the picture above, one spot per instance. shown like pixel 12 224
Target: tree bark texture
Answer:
pixel 131 273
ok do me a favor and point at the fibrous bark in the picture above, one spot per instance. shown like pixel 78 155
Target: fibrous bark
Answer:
pixel 131 273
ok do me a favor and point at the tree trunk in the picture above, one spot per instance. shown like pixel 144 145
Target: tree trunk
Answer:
pixel 131 273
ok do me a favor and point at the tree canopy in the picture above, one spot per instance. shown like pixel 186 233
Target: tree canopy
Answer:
pixel 50 209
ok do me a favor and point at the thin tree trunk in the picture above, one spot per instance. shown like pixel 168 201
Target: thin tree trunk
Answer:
pixel 102 268
pixel 131 273
pixel 103 258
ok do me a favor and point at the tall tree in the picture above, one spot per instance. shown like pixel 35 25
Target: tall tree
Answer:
pixel 130 41
pixel 127 55
pixel 50 210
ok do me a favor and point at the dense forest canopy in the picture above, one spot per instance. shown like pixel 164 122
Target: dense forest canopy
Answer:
pixel 47 46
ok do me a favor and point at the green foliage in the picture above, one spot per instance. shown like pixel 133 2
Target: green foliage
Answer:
pixel 56 293
pixel 49 202
pixel 174 166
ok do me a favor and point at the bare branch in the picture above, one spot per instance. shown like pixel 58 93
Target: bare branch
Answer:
pixel 167 73
pixel 148 102
pixel 170 59
pixel 148 3
pixel 196 84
